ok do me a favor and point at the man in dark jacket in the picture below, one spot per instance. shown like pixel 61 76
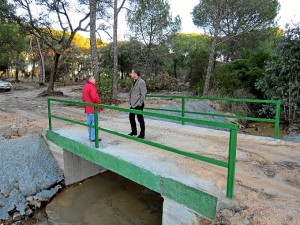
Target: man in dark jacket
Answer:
pixel 90 95
pixel 137 96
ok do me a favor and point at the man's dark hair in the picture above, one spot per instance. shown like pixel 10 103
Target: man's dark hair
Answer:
pixel 137 72
pixel 88 77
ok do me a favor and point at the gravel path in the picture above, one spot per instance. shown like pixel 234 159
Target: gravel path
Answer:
pixel 27 168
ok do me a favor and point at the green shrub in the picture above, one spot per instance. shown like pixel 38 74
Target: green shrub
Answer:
pixel 104 86
pixel 162 82
pixel 124 85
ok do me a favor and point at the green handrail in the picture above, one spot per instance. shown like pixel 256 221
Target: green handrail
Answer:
pixel 183 112
pixel 230 164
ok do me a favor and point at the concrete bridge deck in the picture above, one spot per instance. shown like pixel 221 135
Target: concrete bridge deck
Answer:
pixel 199 186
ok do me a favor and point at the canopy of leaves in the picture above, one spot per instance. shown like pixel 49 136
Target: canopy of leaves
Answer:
pixel 282 80
pixel 12 42
pixel 234 17
pixel 152 21
pixel 190 53
pixel 243 72
pixel 6 11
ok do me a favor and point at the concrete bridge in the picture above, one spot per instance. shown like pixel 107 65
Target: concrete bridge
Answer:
pixel 193 190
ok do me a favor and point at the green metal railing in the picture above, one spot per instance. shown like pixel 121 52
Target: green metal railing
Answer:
pixel 183 111
pixel 230 164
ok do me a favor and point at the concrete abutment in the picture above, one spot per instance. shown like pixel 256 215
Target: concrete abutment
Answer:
pixel 75 168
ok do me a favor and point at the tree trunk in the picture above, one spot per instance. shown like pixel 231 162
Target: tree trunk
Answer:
pixel 17 68
pixel 210 64
pixel 115 44
pixel 42 75
pixel 94 52
pixel 53 72
pixel 33 69
pixel 148 67
pixel 175 68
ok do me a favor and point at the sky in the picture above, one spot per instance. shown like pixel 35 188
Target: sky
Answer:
pixel 288 12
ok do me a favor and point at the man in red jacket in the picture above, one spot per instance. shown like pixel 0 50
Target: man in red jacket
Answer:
pixel 90 95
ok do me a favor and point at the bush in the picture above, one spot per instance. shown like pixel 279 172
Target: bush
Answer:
pixel 162 82
pixel 104 86
pixel 124 85
pixel 241 73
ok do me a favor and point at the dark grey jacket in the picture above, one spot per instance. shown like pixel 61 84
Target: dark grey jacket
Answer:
pixel 138 93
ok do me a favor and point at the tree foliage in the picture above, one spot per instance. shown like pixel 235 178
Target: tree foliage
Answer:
pixel 242 73
pixel 152 22
pixel 6 11
pixel 282 80
pixel 12 44
pixel 189 54
pixel 40 24
pixel 231 19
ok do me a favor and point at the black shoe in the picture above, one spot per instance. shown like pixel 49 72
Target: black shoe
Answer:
pixel 98 139
pixel 141 136
pixel 132 134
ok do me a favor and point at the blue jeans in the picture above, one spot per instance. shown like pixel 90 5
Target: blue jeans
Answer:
pixel 91 121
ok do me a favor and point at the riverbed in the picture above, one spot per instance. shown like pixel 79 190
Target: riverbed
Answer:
pixel 105 199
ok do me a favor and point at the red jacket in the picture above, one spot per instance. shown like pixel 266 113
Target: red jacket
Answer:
pixel 90 95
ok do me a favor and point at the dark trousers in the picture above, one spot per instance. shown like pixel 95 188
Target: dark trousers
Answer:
pixel 140 119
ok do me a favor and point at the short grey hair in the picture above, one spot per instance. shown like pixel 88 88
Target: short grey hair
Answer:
pixel 88 78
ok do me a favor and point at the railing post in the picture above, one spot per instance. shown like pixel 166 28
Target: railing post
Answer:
pixel 96 119
pixel 231 162
pixel 49 114
pixel 182 108
pixel 277 120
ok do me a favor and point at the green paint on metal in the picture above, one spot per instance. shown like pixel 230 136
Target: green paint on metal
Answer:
pixel 277 118
pixel 231 163
pixel 96 120
pixel 277 103
pixel 182 109
pixel 197 200
pixel 49 114
pixel 215 115
pixel 215 99
pixel 175 118
pixel 186 195
pixel 232 143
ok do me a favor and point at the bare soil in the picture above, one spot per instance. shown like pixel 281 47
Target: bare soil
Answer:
pixel 267 176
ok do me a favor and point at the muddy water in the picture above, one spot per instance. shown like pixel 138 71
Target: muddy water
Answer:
pixel 263 129
pixel 106 199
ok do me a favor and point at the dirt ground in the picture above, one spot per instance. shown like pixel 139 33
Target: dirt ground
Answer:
pixel 267 176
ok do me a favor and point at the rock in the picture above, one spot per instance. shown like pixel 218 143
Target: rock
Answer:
pixel 227 213
pixel 28 212
pixel 46 195
pixel 246 221
pixel 17 223
pixel 29 198
pixel 21 132
pixel 5 191
pixel 35 203
pixel 292 138
pixel 17 216
pixel 294 129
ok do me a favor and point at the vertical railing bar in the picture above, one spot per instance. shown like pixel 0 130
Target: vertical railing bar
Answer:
pixel 96 117
pixel 49 114
pixel 277 120
pixel 231 163
pixel 182 109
